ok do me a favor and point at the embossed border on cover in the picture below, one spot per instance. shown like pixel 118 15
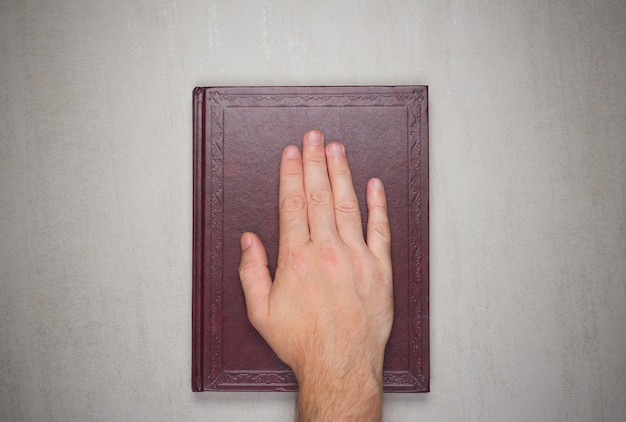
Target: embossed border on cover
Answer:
pixel 208 190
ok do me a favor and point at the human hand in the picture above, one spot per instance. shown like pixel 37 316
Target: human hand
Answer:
pixel 329 311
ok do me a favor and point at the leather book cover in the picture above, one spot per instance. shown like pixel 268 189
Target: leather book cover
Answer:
pixel 239 134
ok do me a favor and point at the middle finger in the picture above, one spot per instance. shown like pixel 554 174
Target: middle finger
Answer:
pixel 319 195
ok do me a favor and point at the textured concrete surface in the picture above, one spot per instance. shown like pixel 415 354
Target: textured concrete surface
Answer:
pixel 528 196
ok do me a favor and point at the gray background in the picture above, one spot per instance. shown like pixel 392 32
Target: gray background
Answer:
pixel 528 196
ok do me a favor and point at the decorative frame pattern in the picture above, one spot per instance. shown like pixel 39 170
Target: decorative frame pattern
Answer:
pixel 209 104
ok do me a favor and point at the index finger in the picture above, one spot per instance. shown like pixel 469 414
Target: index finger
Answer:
pixel 294 228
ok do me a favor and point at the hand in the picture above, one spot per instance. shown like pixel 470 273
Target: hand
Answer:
pixel 329 311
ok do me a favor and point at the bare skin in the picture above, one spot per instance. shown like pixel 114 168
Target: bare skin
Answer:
pixel 328 313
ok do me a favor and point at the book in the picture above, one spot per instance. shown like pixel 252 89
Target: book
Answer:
pixel 239 134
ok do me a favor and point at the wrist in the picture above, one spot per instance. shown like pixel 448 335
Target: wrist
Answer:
pixel 340 376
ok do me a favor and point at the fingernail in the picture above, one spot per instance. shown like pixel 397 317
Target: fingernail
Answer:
pixel 314 137
pixel 335 149
pixel 377 184
pixel 246 241
pixel 292 152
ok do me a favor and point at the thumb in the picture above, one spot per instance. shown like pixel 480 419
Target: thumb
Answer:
pixel 255 278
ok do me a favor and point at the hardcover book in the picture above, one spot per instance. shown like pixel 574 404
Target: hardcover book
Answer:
pixel 239 134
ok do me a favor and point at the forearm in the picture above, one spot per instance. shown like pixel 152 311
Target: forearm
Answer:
pixel 349 397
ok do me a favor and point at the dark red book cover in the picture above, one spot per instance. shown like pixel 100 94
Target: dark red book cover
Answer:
pixel 239 134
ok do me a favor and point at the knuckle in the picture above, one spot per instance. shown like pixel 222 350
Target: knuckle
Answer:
pixel 320 197
pixel 342 173
pixel 329 257
pixel 317 159
pixel 294 259
pixel 293 172
pixel 293 203
pixel 247 271
pixel 383 230
pixel 379 205
pixel 349 206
